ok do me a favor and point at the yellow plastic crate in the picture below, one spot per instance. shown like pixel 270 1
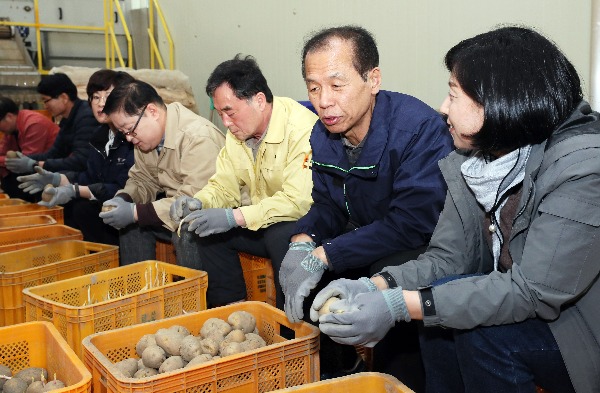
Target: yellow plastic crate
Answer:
pixel 12 202
pixel 282 363
pixel 38 344
pixel 33 209
pixel 45 264
pixel 258 272
pixel 356 383
pixel 134 298
pixel 23 238
pixel 11 223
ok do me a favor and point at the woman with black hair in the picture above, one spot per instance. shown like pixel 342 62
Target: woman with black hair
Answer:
pixel 111 156
pixel 511 273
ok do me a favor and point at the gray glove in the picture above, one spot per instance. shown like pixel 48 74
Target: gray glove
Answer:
pixel 300 282
pixel 343 289
pixel 20 164
pixel 296 253
pixel 210 221
pixel 121 216
pixel 183 206
pixel 60 195
pixel 36 182
pixel 366 319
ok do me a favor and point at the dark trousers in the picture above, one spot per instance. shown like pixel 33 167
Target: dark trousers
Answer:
pixel 220 259
pixel 514 357
pixel 82 214
pixel 139 244
pixel 10 186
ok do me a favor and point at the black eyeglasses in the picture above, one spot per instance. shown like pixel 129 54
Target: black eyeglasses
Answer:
pixel 132 132
pixel 48 100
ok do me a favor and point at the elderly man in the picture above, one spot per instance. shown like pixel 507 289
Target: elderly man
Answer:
pixel 378 191
pixel 262 185
pixel 175 155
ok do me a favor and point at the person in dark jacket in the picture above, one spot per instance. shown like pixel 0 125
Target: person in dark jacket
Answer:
pixel 111 156
pixel 71 146
pixel 377 189
pixel 508 289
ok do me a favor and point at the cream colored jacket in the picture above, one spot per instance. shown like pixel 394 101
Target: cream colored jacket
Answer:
pixel 183 166
pixel 278 183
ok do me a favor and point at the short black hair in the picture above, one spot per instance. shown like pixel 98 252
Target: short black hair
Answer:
pixel 365 53
pixel 243 75
pixel 525 84
pixel 131 98
pixel 103 79
pixel 7 105
pixel 56 84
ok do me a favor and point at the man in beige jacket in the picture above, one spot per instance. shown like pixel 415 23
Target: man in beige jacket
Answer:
pixel 175 155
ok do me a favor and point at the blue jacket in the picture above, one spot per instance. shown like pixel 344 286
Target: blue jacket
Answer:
pixel 105 175
pixel 392 196
pixel 71 148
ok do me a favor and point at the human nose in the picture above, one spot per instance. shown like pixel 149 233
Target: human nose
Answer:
pixel 445 106
pixel 226 120
pixel 129 137
pixel 325 98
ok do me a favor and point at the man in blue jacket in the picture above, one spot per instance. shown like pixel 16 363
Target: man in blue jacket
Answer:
pixel 377 189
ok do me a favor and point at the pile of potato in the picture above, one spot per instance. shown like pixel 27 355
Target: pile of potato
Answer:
pixel 28 380
pixel 174 348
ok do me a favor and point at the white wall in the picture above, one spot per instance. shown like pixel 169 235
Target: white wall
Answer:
pixel 412 36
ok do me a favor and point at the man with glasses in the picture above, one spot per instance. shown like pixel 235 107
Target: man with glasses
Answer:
pixel 71 146
pixel 26 131
pixel 175 155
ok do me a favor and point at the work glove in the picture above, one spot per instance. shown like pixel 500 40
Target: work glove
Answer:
pixel 295 254
pixel 120 216
pixel 210 221
pixel 365 319
pixel 342 289
pixel 183 206
pixel 20 164
pixel 36 182
pixel 300 282
pixel 60 195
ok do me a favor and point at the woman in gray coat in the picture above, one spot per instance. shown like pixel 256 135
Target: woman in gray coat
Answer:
pixel 511 272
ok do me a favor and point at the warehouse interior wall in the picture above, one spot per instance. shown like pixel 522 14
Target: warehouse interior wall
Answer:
pixel 412 36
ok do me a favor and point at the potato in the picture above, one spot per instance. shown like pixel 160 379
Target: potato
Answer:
pixel 11 154
pixel 106 208
pixel 210 346
pixel 325 308
pixel 215 325
pixel 171 364
pixel 153 356
pixel 242 320
pixel 205 357
pixel 46 197
pixel 169 340
pixel 6 372
pixel 32 372
pixel 35 387
pixel 253 341
pixel 236 335
pixel 180 329
pixel 145 341
pixel 231 348
pixel 190 347
pixel 145 372
pixel 127 367
pixel 53 385
pixel 15 385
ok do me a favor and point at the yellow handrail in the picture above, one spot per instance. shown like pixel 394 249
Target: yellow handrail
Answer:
pixel 154 50
pixel 111 44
